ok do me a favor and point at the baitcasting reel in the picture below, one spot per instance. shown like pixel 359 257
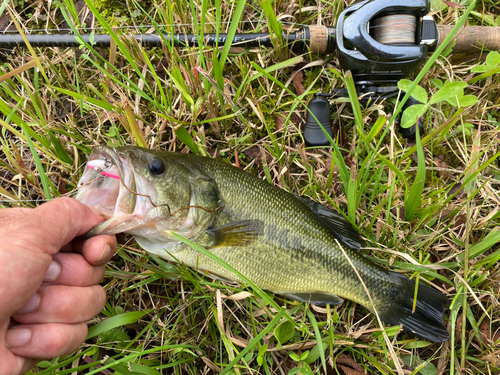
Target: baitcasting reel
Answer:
pixel 380 42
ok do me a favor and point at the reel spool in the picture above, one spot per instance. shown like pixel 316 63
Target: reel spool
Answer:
pixel 394 29
pixel 380 42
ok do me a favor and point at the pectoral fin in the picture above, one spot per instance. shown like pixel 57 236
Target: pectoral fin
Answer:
pixel 237 233
pixel 320 299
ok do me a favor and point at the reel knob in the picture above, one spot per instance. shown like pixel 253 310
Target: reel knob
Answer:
pixel 313 134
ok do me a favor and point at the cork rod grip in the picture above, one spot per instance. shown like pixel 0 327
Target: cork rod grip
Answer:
pixel 472 39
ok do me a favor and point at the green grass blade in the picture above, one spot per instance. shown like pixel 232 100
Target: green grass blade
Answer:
pixel 278 66
pixel 314 323
pixel 134 126
pixel 275 26
pixel 98 103
pixel 213 257
pixel 116 39
pixel 59 149
pixel 253 343
pixel 487 243
pixel 444 44
pixel 377 127
pixel 412 202
pixel 395 169
pixel 131 357
pixel 178 80
pixel 186 138
pixel 115 322
pixel 356 107
pixel 43 176
pixel 235 19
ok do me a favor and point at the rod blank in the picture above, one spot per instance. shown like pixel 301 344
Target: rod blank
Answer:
pixel 149 40
pixel 319 39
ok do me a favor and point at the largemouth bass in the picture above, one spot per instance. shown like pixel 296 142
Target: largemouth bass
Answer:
pixel 283 243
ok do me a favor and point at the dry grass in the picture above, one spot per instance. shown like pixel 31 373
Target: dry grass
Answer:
pixel 172 319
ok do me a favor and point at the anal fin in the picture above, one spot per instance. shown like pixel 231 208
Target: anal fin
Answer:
pixel 316 298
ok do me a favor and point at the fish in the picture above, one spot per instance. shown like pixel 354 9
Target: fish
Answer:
pixel 286 244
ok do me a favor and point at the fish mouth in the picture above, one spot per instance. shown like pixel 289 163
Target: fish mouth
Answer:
pixel 108 184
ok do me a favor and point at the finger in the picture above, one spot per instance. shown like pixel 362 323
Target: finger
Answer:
pixel 54 224
pixel 62 304
pixel 96 250
pixel 28 364
pixel 73 270
pixel 28 242
pixel 12 364
pixel 45 341
pixel 8 213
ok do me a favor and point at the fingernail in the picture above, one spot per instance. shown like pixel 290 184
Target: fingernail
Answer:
pixel 31 305
pixel 15 338
pixel 53 272
pixel 106 251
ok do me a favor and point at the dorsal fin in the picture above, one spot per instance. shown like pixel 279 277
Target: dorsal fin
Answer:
pixel 340 227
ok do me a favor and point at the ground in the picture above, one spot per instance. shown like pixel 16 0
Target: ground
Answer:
pixel 428 208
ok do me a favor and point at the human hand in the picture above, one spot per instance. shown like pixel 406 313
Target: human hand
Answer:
pixel 49 281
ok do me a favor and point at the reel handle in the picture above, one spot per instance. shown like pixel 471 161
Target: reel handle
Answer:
pixel 319 113
pixel 313 134
pixel 411 132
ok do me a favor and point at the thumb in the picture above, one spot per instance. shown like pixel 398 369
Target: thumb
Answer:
pixel 57 222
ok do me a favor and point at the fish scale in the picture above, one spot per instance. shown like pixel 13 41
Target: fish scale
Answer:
pixel 283 243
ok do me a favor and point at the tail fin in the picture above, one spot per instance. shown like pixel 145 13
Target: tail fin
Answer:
pixel 426 320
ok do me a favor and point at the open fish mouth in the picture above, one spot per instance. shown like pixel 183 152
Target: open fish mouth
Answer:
pixel 100 184
pixel 109 186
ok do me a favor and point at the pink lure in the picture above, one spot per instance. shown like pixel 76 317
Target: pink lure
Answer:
pixel 100 167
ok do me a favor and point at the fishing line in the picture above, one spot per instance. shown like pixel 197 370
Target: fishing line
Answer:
pixel 394 29
pixel 108 163
pixel 24 200
pixel 68 194
pixel 73 192
pixel 164 204
pixel 382 328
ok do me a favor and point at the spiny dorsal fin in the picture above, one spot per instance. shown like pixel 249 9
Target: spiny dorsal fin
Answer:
pixel 340 227
pixel 237 233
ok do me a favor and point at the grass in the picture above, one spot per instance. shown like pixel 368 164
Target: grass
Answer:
pixel 430 209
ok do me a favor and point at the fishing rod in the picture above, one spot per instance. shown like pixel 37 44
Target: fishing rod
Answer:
pixel 379 41
pixel 317 39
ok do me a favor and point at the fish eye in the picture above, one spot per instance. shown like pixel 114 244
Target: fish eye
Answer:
pixel 156 166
